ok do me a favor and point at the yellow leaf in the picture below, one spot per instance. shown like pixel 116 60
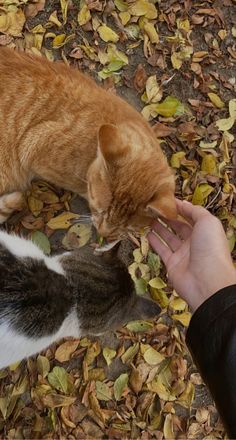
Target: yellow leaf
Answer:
pixel 209 164
pixel 64 8
pixel 206 145
pixel 178 304
pixel 184 318
pixel 152 357
pixel 107 34
pixel 124 17
pixel 150 30
pixel 153 90
pixel 143 7
pixel 183 24
pixel 62 221
pixel 54 19
pixel 225 124
pixel 215 99
pixel 186 398
pixel 201 193
pixel 121 5
pixel 160 297
pixel 168 107
pixel 157 283
pixel 84 15
pixel 176 60
pixel 168 427
pixel 232 108
pixel 35 205
pixel 227 138
pixel 12 23
pixel 222 34
pixel 176 158
pixel 58 41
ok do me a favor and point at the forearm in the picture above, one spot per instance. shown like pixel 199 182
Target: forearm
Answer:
pixel 211 338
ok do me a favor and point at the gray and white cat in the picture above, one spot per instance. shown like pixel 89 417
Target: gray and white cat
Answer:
pixel 43 299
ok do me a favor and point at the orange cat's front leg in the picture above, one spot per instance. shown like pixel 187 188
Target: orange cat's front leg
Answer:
pixel 9 203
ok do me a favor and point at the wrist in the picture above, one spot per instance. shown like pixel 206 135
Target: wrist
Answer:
pixel 219 280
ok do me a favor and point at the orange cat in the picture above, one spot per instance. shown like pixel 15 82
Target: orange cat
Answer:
pixel 57 124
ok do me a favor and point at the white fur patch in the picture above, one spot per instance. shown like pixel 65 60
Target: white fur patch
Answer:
pixel 14 347
pixel 21 248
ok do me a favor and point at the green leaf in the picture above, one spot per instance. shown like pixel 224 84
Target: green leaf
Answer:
pixel 154 263
pixel 139 326
pixel 58 378
pixel 42 241
pixel 120 385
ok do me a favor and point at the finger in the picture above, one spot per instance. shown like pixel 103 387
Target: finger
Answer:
pixel 170 238
pixel 191 212
pixel 159 247
pixel 184 230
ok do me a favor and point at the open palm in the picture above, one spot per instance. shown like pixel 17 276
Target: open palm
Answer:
pixel 195 253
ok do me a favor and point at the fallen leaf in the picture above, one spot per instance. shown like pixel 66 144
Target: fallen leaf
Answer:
pixel 42 241
pixel 62 221
pixel 58 378
pixel 184 318
pixel 84 15
pixel 139 326
pixel 143 7
pixel 201 193
pixel 120 385
pixel 77 236
pixel 168 427
pixel 108 354
pixel 43 365
pixel 130 353
pixel 107 34
pixel 64 351
pixel 56 400
pixel 103 391
pixel 12 22
pixel 215 99
pixel 157 283
pixel 152 357
pixel 209 164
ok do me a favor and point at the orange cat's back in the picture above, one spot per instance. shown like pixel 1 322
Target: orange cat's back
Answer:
pixel 56 123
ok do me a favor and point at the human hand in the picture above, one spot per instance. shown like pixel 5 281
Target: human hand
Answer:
pixel 197 257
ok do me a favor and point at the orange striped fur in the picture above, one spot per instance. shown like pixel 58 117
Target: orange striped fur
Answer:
pixel 57 124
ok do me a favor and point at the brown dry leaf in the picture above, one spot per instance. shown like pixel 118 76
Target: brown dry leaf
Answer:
pixel 56 400
pixel 64 351
pixel 32 9
pixel 12 22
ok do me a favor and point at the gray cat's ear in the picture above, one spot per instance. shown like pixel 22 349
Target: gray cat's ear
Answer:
pixel 110 143
pixel 145 309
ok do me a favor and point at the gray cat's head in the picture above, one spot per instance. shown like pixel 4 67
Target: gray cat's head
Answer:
pixel 105 293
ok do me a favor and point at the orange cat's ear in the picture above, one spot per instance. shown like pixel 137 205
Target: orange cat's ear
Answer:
pixel 110 143
pixel 163 205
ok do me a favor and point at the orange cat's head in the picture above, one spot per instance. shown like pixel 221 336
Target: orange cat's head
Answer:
pixel 130 182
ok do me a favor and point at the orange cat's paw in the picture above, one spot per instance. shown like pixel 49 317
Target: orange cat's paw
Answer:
pixel 9 203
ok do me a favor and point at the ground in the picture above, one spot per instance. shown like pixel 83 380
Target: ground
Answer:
pixel 176 59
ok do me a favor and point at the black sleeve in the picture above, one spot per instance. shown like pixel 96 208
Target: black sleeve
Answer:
pixel 211 338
